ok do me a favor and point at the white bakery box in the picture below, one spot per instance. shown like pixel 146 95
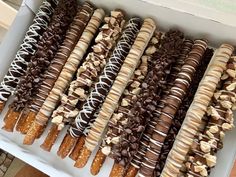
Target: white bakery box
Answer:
pixel 197 18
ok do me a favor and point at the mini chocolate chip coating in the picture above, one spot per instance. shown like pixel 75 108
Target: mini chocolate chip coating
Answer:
pixel 72 36
pixel 142 111
pixel 167 115
pixel 180 115
pixel 27 49
pixel 47 48
pixel 174 70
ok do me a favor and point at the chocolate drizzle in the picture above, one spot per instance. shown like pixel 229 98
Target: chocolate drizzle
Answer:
pixel 27 49
pixel 72 36
pixel 70 67
pixel 108 76
pixel 120 83
pixel 170 78
pixel 90 69
pixel 154 83
pixel 180 115
pixel 173 101
pixel 197 110
pixel 119 118
pixel 47 47
pixel 218 120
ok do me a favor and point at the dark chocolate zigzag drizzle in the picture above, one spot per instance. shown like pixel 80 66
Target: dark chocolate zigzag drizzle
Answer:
pixel 47 48
pixel 27 49
pixel 110 71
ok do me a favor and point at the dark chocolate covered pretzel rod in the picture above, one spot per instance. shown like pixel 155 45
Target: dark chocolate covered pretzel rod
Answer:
pixel 112 99
pixel 102 87
pixel 173 101
pixel 151 90
pixel 119 118
pixel 26 51
pixel 65 77
pixel 174 69
pixel 86 76
pixel 47 48
pixel 72 36
pixel 176 124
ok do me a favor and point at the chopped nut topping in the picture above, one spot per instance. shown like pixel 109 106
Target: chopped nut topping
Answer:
pixel 205 146
pixel 201 169
pixel 213 143
pixel 124 102
pixel 217 95
pixel 106 150
pixel 57 120
pixel 137 72
pixel 231 87
pixel 115 140
pixel 226 104
pixel 224 76
pixel 224 97
pixel 231 73
pixel 151 50
pixel 73 113
pixel 222 135
pixel 135 84
pixel 96 63
pixel 209 134
pixel 136 91
pixel 212 111
pixel 154 40
pixel 210 159
pixel 81 93
pixel 116 13
pixel 214 129
pixel 226 126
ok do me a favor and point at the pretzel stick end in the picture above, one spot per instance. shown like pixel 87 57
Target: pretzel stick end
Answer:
pixel 117 170
pixel 97 163
pixel 10 120
pixel 51 138
pixel 83 158
pixel 21 121
pixel 131 172
pixel 28 122
pixel 66 146
pixel 2 105
pixel 32 134
pixel 77 149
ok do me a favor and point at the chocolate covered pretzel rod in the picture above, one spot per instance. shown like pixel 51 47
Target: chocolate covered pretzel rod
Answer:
pixel 176 124
pixel 86 76
pixel 202 155
pixel 26 51
pixel 119 117
pixel 153 84
pixel 72 36
pixel 47 48
pixel 171 70
pixel 173 101
pixel 196 111
pixel 65 76
pixel 97 163
pixel 116 91
pixel 101 88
